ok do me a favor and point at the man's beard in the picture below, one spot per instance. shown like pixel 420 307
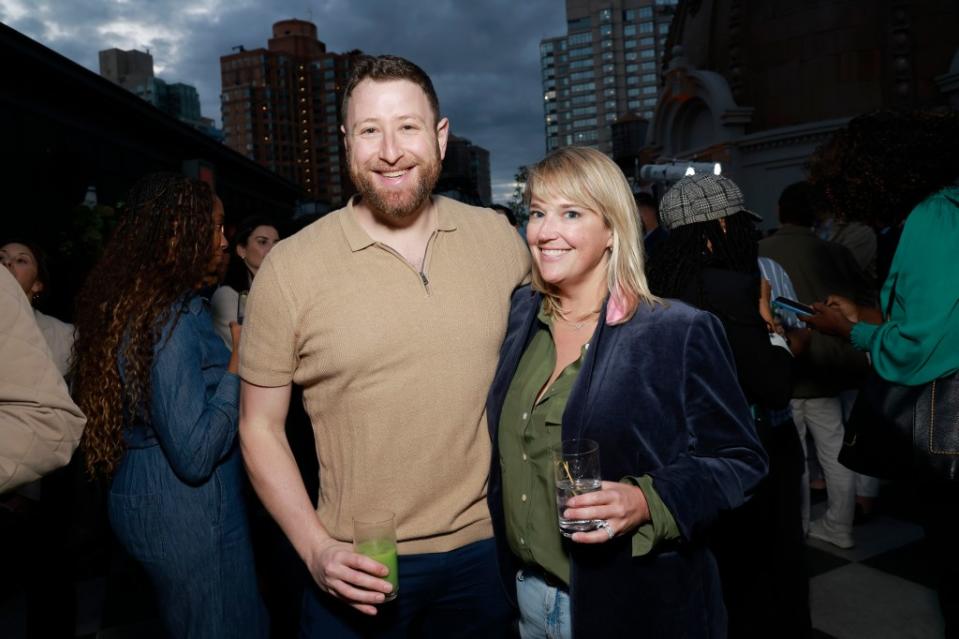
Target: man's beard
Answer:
pixel 398 204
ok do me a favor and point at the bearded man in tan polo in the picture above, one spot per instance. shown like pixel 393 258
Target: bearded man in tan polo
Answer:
pixel 390 313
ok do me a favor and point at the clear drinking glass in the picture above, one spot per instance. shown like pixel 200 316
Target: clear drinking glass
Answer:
pixel 374 535
pixel 576 470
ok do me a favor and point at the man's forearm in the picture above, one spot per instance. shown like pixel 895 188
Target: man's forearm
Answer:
pixel 276 479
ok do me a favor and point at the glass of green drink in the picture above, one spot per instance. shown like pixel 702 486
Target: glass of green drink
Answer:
pixel 374 535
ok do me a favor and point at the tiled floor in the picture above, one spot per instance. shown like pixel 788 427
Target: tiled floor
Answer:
pixel 880 589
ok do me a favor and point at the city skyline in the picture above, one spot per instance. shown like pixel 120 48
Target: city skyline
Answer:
pixel 483 58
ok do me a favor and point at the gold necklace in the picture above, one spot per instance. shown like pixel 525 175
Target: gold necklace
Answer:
pixel 580 324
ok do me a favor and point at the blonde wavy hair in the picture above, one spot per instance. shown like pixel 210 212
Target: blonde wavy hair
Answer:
pixel 589 178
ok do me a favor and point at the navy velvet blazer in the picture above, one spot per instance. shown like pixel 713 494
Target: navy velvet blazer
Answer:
pixel 660 395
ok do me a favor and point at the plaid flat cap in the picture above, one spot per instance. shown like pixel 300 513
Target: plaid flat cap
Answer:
pixel 700 198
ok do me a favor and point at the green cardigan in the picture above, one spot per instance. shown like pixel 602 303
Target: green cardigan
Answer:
pixel 919 341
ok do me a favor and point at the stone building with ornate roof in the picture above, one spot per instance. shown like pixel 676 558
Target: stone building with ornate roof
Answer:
pixel 757 85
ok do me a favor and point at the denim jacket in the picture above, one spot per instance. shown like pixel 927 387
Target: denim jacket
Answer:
pixel 193 399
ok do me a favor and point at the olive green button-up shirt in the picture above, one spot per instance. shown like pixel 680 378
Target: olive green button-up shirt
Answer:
pixel 527 431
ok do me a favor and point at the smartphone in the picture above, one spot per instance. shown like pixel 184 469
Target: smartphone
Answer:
pixel 793 306
pixel 241 307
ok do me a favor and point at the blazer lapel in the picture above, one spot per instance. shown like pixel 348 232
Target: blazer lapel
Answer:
pixel 580 399
pixel 517 338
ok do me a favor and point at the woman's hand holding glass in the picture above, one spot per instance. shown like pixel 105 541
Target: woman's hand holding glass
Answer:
pixel 622 506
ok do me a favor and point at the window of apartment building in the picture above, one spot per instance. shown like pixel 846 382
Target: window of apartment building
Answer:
pixel 632 55
pixel 586 110
pixel 608 80
pixel 583 124
pixel 580 51
pixel 663 28
pixel 546 47
pixel 646 12
pixel 649 102
pixel 581 75
pixel 585 86
pixel 632 68
pixel 580 38
pixel 647 42
pixel 552 129
pixel 586 63
pixel 632 79
pixel 649 90
pixel 649 77
pixel 579 24
pixel 607 44
pixel 629 30
pixel 629 15
pixel 632 92
pixel 647 66
pixel 609 105
pixel 646 27
pixel 609 93
pixel 587 98
pixel 632 105
pixel 610 117
pixel 606 30
pixel 648 115
pixel 607 56
pixel 647 53
pixel 605 15
pixel 585 136
pixel 609 69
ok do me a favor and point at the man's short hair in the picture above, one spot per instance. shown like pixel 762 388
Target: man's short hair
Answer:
pixel 384 68
pixel 797 204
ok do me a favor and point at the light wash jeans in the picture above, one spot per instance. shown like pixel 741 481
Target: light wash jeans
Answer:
pixel 543 609
pixel 822 416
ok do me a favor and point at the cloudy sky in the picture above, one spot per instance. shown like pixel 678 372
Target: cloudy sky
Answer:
pixel 481 54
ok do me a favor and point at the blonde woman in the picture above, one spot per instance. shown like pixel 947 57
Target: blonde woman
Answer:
pixel 591 353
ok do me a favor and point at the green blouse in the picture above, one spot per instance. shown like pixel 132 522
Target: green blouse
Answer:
pixel 919 341
pixel 527 431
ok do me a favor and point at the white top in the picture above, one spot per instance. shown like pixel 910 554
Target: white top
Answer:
pixel 59 337
pixel 223 307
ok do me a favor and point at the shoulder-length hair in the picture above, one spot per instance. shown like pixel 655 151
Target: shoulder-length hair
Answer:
pixel 589 178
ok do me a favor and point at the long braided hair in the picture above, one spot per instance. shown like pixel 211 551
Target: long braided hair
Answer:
pixel 160 251
pixel 683 255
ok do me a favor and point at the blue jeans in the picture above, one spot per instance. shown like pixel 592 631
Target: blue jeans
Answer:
pixel 450 594
pixel 543 609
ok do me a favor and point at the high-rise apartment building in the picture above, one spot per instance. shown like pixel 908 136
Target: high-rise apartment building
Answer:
pixel 607 65
pixel 465 175
pixel 133 70
pixel 281 108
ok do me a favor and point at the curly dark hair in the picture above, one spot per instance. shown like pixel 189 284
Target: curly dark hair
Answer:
pixel 878 168
pixel 159 253
pixel 237 274
pixel 682 256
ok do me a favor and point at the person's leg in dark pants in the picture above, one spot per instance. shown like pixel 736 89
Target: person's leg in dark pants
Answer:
pixel 449 595
pixel 472 603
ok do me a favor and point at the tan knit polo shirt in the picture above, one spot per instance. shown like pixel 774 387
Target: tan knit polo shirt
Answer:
pixel 395 370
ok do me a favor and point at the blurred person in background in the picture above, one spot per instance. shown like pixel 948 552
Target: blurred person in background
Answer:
pixel 163 393
pixel 255 237
pixel 892 169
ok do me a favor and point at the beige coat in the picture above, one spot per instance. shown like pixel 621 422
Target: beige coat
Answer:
pixel 40 426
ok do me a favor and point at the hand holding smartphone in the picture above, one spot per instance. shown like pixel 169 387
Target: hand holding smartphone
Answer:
pixel 793 306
